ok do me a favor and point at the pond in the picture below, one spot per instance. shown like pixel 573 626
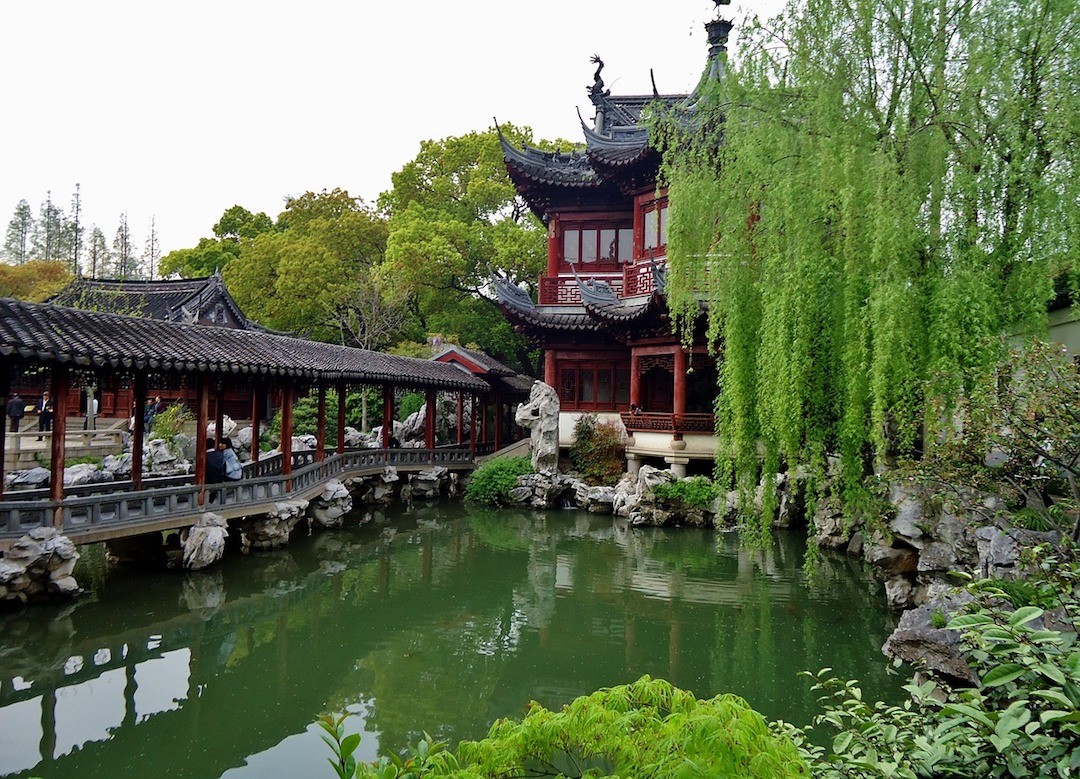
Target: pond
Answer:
pixel 439 620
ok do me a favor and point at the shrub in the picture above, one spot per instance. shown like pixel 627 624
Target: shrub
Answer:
pixel 645 729
pixel 410 403
pixel 695 493
pixel 599 450
pixel 491 482
pixel 170 422
pixel 1022 720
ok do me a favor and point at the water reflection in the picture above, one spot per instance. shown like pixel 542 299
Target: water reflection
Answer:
pixel 438 621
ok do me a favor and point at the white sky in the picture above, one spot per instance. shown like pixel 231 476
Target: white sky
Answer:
pixel 181 110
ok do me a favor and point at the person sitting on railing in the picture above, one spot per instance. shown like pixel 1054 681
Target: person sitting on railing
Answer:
pixel 233 468
pixel 215 463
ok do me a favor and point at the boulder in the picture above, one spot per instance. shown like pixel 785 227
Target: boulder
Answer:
pixel 649 477
pixel 540 416
pixel 272 530
pixel 428 484
pixel 910 514
pixel 27 479
pixel 228 427
pixel 932 649
pixel 85 473
pixel 329 508
pixel 204 543
pixel 598 500
pixel 999 550
pixel 833 528
pixel 117 466
pixel 353 438
pixel 899 592
pixel 39 565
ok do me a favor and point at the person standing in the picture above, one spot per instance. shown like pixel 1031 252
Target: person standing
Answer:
pixel 215 463
pixel 15 410
pixel 44 410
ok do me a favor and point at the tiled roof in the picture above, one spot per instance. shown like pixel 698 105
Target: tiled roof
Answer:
pixel 485 361
pixel 49 334
pixel 172 300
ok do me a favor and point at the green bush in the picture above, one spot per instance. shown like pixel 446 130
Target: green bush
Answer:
pixel 694 493
pixel 170 422
pixel 599 450
pixel 645 729
pixel 1022 720
pixel 409 404
pixel 491 482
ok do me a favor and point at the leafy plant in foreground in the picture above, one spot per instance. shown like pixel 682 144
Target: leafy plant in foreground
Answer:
pixel 696 492
pixel 599 450
pixel 491 482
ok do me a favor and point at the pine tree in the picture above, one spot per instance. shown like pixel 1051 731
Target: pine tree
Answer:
pixel 75 231
pixel 151 257
pixel 97 253
pixel 19 234
pixel 47 238
pixel 123 251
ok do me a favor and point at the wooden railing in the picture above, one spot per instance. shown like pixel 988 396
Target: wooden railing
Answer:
pixel 564 291
pixel 118 505
pixel 669 423
pixel 638 279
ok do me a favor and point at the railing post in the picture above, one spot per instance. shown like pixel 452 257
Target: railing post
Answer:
pixel 61 382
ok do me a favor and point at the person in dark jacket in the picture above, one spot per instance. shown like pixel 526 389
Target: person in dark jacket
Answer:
pixel 15 410
pixel 215 463
pixel 44 411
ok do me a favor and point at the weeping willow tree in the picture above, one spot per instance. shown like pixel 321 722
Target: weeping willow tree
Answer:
pixel 868 200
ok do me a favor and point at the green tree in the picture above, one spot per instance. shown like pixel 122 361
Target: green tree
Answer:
pixel 875 193
pixel 33 280
pixel 125 263
pixel 97 253
pixel 210 255
pixel 19 232
pixel 453 214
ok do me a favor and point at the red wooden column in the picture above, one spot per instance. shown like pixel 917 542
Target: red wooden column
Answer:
pixel 498 419
pixel 472 426
pixel 550 369
pixel 320 434
pixel 680 382
pixel 635 379
pixel 61 383
pixel 341 389
pixel 219 411
pixel 287 431
pixel 256 415
pixel 138 434
pixel 429 418
pixel 202 415
pixel 553 247
pixel 483 420
pixel 460 418
pixel 387 414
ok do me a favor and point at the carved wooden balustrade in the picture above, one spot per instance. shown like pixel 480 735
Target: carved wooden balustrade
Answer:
pixel 564 291
pixel 654 422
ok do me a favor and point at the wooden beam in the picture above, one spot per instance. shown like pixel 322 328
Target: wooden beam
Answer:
pixel 61 383
pixel 138 432
pixel 202 415
pixel 430 399
pixel 320 424
pixel 341 392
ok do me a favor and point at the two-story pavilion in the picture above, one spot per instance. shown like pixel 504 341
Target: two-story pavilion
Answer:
pixel 601 315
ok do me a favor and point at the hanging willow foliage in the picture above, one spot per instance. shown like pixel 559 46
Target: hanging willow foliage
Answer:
pixel 870 198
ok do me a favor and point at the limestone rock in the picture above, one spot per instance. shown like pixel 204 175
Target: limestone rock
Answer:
pixel 910 515
pixel 39 565
pixel 428 484
pixel 833 529
pixel 204 544
pixel 117 466
pixel 999 550
pixel 937 556
pixel 353 437
pixel 541 417
pixel 329 508
pixel 599 500
pixel 272 530
pixel 649 477
pixel 898 592
pixel 228 427
pixel 934 650
pixel 27 479
pixel 85 473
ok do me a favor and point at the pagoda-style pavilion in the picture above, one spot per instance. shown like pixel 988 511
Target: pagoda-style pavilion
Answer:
pixel 601 314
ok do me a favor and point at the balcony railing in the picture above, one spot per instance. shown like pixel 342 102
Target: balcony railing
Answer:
pixel 563 290
pixel 654 422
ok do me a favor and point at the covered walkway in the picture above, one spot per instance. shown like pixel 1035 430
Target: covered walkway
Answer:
pixel 66 347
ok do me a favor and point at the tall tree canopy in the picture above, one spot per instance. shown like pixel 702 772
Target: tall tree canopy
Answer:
pixel 453 214
pixel 877 192
pixel 213 254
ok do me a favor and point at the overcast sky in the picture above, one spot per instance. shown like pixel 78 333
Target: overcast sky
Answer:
pixel 179 111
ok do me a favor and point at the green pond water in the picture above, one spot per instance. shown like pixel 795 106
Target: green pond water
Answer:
pixel 439 620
